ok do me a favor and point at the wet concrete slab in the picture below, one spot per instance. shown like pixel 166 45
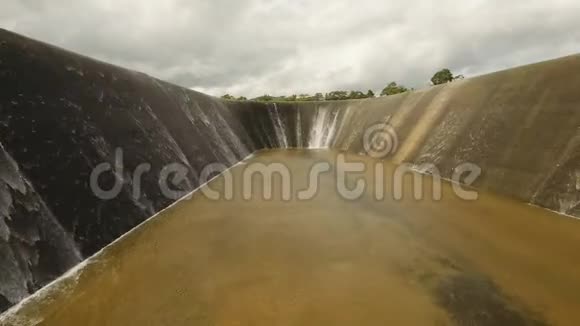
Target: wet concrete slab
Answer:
pixel 327 260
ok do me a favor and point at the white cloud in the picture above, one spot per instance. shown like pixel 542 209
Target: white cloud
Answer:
pixel 252 47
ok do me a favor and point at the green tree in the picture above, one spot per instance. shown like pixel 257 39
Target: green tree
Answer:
pixel 370 94
pixel 308 97
pixel 442 76
pixel 264 98
pixel 393 89
pixel 242 98
pixel 228 97
pixel 337 95
pixel 356 95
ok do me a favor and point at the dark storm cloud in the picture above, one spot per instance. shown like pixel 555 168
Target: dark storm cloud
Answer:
pixel 252 47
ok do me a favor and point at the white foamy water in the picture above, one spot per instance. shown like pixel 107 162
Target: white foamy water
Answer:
pixel 299 140
pixel 279 127
pixel 317 131
pixel 331 131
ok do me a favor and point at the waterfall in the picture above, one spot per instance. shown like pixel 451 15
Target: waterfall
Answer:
pixel 279 128
pixel 317 131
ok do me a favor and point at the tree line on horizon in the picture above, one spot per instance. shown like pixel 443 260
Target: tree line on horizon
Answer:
pixel 441 77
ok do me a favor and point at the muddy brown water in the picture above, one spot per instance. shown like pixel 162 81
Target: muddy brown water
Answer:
pixel 328 260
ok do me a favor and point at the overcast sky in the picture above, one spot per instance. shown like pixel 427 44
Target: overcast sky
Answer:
pixel 253 47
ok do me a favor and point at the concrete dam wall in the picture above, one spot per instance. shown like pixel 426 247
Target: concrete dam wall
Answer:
pixel 62 115
pixel 521 126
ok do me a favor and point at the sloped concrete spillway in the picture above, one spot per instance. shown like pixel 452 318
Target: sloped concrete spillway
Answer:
pixel 325 260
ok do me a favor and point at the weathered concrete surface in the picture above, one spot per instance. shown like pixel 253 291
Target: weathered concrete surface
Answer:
pixel 62 114
pixel 34 249
pixel 521 126
pixel 327 261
